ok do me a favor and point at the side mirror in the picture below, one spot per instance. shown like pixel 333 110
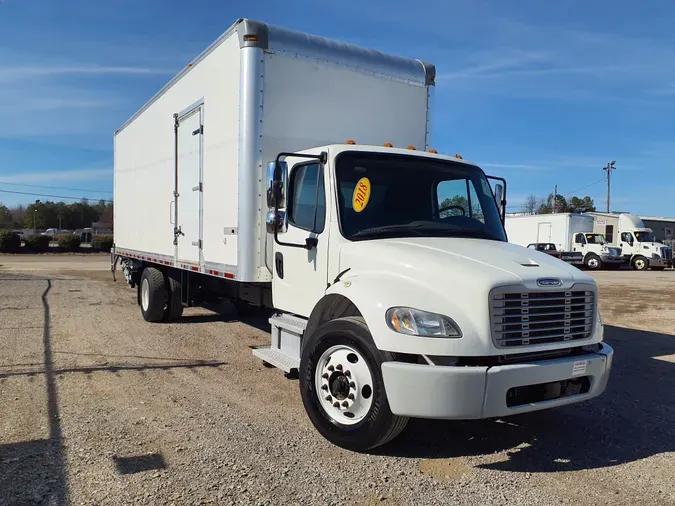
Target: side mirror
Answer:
pixel 499 195
pixel 276 220
pixel 277 179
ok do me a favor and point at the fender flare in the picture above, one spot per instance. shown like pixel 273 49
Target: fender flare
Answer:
pixel 371 294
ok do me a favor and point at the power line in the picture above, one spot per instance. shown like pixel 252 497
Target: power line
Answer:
pixel 53 196
pixel 55 187
pixel 584 187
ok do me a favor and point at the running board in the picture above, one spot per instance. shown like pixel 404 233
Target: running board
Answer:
pixel 284 352
pixel 277 359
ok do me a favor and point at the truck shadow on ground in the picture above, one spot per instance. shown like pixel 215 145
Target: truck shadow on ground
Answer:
pixel 632 420
pixel 226 313
pixel 35 472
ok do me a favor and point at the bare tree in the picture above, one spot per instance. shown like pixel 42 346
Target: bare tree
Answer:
pixel 531 204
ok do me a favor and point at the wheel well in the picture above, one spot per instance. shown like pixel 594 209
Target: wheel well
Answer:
pixel 329 308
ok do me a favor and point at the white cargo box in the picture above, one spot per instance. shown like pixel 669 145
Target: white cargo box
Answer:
pixel 189 166
pixel 558 228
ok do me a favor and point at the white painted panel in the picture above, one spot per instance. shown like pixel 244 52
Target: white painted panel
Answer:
pixel 189 160
pixel 144 161
pixel 309 103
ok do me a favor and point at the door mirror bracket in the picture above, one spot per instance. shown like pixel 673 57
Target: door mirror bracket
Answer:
pixel 277 181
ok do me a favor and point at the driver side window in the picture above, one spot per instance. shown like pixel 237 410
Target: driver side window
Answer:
pixel 627 237
pixel 307 199
pixel 580 239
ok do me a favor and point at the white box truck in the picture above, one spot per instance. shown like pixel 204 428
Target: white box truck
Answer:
pixel 569 232
pixel 638 245
pixel 265 173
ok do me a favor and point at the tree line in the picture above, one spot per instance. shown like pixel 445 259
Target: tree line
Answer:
pixel 557 204
pixel 43 215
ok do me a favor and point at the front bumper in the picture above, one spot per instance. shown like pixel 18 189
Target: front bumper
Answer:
pixel 660 262
pixel 426 391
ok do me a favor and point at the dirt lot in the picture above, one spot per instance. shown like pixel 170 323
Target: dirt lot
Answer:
pixel 99 407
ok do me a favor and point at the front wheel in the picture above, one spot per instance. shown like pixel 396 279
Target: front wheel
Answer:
pixel 640 264
pixel 342 387
pixel 593 262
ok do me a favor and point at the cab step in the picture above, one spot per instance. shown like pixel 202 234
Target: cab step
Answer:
pixel 284 352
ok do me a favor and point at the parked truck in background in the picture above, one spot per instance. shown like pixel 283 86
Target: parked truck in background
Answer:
pixel 640 248
pixel 569 232
pixel 289 171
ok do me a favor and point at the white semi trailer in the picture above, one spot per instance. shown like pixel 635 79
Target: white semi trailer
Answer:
pixel 570 232
pixel 395 291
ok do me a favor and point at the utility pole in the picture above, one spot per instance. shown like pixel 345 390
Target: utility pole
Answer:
pixel 610 167
pixel 555 198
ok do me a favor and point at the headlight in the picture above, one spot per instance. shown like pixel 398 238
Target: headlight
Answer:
pixel 414 322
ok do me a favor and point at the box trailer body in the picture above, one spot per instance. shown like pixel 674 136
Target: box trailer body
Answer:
pixel 569 232
pixel 557 228
pixel 288 171
pixel 205 135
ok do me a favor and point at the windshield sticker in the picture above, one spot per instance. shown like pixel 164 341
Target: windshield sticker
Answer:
pixel 361 194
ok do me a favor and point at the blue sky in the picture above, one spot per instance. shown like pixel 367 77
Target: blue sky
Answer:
pixel 541 93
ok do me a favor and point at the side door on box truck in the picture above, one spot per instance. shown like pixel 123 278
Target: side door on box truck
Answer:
pixel 188 192
pixel 300 274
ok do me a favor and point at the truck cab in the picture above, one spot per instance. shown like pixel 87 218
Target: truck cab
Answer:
pixel 597 253
pixel 389 259
pixel 639 246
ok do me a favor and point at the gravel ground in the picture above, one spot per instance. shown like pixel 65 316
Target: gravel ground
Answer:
pixel 99 407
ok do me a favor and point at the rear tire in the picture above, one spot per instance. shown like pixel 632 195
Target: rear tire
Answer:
pixel 593 262
pixel 174 305
pixel 153 295
pixel 363 420
pixel 640 264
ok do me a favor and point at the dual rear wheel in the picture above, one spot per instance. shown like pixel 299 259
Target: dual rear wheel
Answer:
pixel 159 296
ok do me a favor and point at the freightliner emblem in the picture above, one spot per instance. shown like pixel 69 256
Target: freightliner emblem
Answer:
pixel 549 282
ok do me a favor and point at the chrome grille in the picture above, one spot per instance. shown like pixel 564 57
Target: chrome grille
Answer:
pixel 521 318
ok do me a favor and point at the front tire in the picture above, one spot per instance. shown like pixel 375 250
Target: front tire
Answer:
pixel 342 387
pixel 640 264
pixel 593 262
pixel 153 295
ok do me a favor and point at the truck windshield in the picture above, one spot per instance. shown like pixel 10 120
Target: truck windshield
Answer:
pixel 382 195
pixel 595 239
pixel 644 237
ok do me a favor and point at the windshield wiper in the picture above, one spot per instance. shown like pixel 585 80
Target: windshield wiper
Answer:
pixel 417 228
pixel 390 228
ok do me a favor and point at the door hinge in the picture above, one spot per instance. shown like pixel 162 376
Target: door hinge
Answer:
pixel 199 131
pixel 197 243
pixel 199 187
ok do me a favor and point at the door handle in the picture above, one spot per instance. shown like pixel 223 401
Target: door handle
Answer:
pixel 279 264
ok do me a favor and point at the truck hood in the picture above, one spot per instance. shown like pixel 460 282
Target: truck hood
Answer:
pixel 477 262
pixel 450 276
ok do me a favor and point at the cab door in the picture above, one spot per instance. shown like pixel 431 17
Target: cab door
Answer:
pixel 300 261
